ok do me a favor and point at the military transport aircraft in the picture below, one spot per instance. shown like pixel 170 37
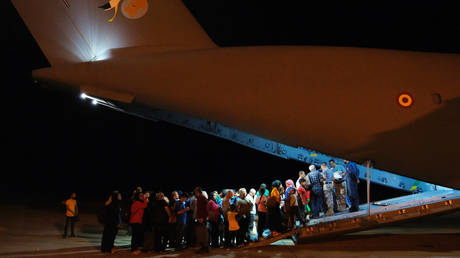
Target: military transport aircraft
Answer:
pixel 397 108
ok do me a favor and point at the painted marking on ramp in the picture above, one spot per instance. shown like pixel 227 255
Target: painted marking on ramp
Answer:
pixel 50 254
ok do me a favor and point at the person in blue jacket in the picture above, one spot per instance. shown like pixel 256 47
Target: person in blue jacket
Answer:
pixel 352 177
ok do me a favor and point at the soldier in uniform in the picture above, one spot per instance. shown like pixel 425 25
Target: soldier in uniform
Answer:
pixel 328 188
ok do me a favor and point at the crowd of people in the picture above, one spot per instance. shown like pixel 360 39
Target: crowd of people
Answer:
pixel 230 218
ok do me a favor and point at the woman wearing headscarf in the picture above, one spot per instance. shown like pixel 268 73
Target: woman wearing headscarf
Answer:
pixel 261 202
pixel 289 185
pixel 214 219
pixel 112 219
pixel 273 205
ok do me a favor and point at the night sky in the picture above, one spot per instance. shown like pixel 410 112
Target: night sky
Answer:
pixel 54 143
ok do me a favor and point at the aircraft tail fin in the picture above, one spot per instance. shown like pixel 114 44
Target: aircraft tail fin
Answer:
pixel 73 31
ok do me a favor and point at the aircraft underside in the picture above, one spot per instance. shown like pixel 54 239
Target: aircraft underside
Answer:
pixel 425 199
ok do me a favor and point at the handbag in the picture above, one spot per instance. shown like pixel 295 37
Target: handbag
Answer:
pixel 272 202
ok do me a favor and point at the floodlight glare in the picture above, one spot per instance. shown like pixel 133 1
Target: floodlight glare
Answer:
pixel 83 96
pixel 94 102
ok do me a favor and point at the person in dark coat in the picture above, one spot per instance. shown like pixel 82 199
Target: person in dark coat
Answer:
pixel 214 219
pixel 201 231
pixel 147 223
pixel 112 219
pixel 352 177
pixel 244 208
pixel 316 191
pixel 160 216
pixel 273 205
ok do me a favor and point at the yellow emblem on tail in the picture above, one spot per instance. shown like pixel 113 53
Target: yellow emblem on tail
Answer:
pixel 131 9
pixel 111 5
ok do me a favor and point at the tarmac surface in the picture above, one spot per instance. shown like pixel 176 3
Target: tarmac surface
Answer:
pixel 35 231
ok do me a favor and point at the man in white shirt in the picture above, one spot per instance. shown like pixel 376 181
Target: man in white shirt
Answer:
pixel 251 198
pixel 304 176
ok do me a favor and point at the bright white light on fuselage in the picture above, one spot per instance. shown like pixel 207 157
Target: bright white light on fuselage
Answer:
pixel 96 101
pixel 102 56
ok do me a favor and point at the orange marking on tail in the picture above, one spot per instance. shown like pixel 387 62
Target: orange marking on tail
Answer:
pixel 115 14
pixel 134 6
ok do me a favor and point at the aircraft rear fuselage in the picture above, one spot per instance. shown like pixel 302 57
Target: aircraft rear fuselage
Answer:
pixel 341 101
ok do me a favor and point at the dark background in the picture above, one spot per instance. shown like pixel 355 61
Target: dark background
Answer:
pixel 53 143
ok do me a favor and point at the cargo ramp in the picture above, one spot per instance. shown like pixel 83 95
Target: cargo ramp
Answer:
pixel 382 213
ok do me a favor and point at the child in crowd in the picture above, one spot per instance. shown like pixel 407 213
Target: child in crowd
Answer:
pixel 233 226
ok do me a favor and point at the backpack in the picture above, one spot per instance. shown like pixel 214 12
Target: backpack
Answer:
pixel 300 202
pixel 264 202
pixel 272 202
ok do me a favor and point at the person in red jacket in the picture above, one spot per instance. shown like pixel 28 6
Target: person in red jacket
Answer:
pixel 214 219
pixel 137 212
pixel 201 230
pixel 304 194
